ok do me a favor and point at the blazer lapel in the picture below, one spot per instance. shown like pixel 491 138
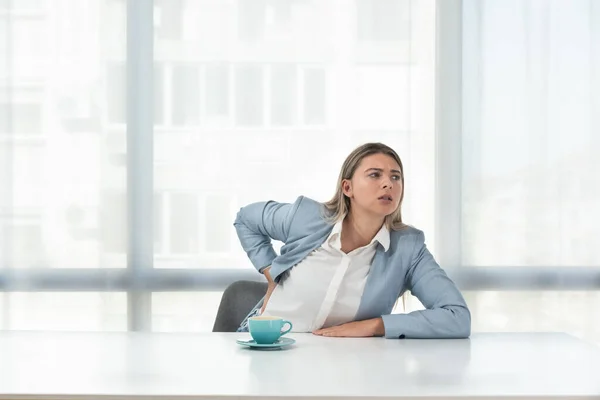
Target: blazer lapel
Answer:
pixel 370 302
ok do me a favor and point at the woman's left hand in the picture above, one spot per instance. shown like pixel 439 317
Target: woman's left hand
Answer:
pixel 366 328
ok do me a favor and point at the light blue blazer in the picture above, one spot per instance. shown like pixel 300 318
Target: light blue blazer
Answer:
pixel 407 265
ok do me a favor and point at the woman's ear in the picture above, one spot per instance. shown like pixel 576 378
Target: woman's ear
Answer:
pixel 347 188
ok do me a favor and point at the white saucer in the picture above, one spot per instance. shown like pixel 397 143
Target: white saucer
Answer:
pixel 282 342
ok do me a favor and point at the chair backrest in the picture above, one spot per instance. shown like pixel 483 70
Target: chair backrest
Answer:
pixel 238 300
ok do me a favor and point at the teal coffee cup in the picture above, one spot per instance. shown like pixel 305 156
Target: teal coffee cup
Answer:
pixel 267 330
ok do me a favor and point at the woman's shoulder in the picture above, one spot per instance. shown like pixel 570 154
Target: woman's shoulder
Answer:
pixel 407 230
pixel 309 209
pixel 408 234
pixel 308 203
pixel 310 217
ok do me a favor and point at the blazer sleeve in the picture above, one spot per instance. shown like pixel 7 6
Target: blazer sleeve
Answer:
pixel 258 223
pixel 446 315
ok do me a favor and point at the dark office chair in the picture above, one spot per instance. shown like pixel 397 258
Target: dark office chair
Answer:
pixel 238 300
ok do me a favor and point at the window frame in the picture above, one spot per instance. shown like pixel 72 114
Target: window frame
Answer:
pixel 140 279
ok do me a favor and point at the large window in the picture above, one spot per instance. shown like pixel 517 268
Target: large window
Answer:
pixel 530 186
pixel 131 133
pixel 62 219
pixel 524 183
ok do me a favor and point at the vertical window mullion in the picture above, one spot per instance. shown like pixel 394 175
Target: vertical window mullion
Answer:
pixel 448 136
pixel 140 179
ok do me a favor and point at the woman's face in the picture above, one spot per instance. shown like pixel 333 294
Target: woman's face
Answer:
pixel 376 186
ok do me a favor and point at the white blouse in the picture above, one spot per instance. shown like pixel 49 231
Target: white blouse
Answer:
pixel 326 287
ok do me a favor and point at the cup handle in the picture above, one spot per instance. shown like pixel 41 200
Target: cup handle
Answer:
pixel 288 329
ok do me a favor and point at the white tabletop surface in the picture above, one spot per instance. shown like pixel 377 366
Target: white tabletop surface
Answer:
pixel 211 365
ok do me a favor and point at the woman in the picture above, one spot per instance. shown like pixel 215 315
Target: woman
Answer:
pixel 344 263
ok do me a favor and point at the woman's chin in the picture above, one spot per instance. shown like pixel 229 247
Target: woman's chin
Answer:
pixel 382 213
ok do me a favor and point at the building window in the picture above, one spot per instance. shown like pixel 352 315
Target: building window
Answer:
pixel 77 111
pixel 5 37
pixel 218 234
pixel 259 18
pixel 26 249
pixel 249 95
pixel 168 19
pixel 383 20
pixel 183 223
pixel 246 96
pixel 186 95
pixel 284 96
pixel 159 94
pixel 21 5
pixel 158 224
pixel 314 98
pixel 217 90
pixel 251 19
pixel 21 118
pixel 116 93
pixel 113 221
pixel 176 227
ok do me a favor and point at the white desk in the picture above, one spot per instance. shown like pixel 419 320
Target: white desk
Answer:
pixel 192 366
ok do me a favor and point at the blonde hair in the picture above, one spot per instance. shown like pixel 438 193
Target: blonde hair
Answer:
pixel 339 205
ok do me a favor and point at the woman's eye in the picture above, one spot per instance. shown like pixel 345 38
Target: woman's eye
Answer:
pixel 396 177
pixel 375 174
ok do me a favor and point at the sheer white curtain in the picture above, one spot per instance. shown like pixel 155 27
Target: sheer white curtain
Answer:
pixel 530 166
pixel 58 168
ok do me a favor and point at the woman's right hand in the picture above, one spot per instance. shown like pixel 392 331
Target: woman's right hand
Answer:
pixel 270 287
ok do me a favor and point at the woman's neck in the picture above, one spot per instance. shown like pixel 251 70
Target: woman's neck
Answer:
pixel 358 230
